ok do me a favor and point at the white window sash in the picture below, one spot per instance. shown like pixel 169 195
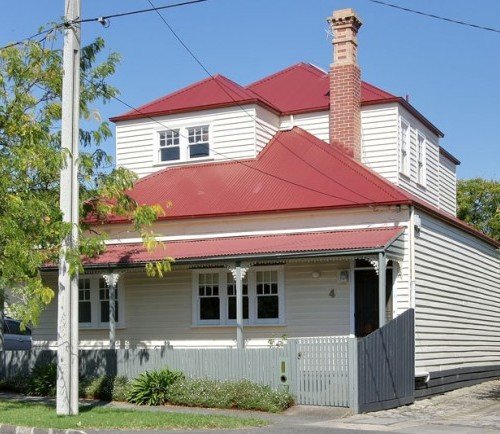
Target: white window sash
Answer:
pixel 224 299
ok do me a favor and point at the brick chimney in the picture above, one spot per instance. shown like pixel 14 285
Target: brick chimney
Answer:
pixel 345 82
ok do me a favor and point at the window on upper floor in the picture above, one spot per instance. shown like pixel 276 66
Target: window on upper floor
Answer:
pixel 183 144
pixel 198 141
pixel 421 158
pixel 169 145
pixel 404 149
pixel 214 297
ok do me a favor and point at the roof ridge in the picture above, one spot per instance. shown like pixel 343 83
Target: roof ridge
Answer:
pixel 358 165
pixel 191 86
pixel 169 95
pixel 278 73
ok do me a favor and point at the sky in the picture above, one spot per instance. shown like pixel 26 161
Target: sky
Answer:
pixel 450 72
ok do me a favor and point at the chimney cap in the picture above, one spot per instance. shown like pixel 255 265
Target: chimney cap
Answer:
pixel 345 16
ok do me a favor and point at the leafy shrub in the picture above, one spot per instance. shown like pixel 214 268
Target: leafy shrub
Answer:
pixel 105 388
pixel 17 384
pixel 120 388
pixel 241 394
pixel 151 387
pixel 42 381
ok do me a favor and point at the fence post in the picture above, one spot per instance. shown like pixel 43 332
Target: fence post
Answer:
pixel 291 348
pixel 353 375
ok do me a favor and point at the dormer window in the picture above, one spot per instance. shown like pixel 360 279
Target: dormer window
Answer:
pixel 169 145
pixel 198 141
pixel 183 144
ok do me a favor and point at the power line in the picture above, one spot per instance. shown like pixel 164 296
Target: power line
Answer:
pixel 29 38
pixel 140 11
pixel 437 17
pixel 101 19
pixel 254 118
pixel 243 163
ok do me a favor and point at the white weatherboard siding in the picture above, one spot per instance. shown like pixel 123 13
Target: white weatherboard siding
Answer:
pixel 401 289
pixel 160 309
pixel 266 126
pixel 457 298
pixel 315 123
pixel 299 221
pixel 232 136
pixel 379 131
pixel 447 185
pixel 429 191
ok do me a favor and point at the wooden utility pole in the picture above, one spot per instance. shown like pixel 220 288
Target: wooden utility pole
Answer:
pixel 67 311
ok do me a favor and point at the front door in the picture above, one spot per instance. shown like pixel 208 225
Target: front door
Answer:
pixel 366 300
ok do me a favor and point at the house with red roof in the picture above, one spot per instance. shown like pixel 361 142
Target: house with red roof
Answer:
pixel 308 203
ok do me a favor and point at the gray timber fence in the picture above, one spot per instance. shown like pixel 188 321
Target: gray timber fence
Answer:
pixel 365 374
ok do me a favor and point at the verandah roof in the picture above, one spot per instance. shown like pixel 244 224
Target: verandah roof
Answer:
pixel 252 247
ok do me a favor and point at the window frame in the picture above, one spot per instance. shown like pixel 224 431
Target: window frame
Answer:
pixel 184 145
pixel 252 298
pixel 166 146
pixel 404 146
pixel 95 304
pixel 421 159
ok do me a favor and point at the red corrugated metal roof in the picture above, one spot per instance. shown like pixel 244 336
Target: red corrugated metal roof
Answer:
pixel 295 171
pixel 269 245
pixel 304 88
pixel 217 91
pixel 299 88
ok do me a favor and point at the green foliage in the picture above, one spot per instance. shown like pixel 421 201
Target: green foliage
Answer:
pixel 105 388
pixel 478 202
pixel 42 381
pixel 17 384
pixel 242 394
pixel 152 387
pixel 31 227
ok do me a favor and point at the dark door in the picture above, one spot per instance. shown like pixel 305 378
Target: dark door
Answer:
pixel 366 300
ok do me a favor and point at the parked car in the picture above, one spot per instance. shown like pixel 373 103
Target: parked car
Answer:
pixel 14 337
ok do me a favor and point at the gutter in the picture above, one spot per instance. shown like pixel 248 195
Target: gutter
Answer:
pixel 260 257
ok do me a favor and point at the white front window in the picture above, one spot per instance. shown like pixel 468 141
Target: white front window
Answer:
pixel 421 144
pixel 93 303
pixel 404 149
pixel 214 297
pixel 183 144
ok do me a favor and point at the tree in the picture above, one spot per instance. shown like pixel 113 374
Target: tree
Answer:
pixel 479 204
pixel 31 227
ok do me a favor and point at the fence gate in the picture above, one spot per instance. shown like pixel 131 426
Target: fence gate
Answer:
pixel 321 370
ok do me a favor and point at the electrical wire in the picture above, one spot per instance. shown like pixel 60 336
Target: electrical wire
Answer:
pixel 437 17
pixel 236 160
pixel 100 19
pixel 254 118
pixel 140 11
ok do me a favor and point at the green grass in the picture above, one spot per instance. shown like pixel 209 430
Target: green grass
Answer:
pixel 44 416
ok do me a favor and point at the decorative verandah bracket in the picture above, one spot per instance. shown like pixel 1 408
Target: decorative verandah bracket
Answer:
pixel 111 280
pixel 239 272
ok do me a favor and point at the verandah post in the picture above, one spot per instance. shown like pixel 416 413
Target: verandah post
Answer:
pixel 112 281
pixel 240 341
pixel 381 289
